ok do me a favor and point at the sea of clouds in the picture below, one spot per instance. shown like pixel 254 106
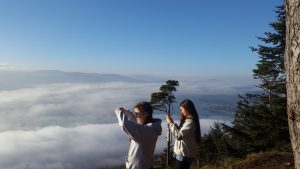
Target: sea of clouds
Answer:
pixel 72 125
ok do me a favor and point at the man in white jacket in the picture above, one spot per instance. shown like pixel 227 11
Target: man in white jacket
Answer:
pixel 143 132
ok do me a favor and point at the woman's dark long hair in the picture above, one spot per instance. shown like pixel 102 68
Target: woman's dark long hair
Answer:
pixel 189 106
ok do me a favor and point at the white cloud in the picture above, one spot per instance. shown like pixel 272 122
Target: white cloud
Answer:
pixel 82 147
pixel 233 85
pixel 70 126
pixel 68 104
pixel 4 66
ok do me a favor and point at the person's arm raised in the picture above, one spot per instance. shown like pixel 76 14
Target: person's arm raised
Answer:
pixel 132 129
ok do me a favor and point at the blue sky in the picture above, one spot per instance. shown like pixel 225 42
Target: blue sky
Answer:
pixel 156 37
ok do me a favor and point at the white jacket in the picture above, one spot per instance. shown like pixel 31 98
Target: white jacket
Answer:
pixel 185 143
pixel 142 140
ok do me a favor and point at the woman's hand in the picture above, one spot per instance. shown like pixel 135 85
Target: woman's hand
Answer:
pixel 169 119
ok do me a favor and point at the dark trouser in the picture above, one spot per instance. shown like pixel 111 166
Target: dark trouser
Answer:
pixel 182 164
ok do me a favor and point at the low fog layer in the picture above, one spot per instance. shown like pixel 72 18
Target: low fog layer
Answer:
pixel 71 125
pixel 82 147
pixel 68 104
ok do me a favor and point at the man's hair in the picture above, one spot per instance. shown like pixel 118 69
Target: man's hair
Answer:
pixel 145 107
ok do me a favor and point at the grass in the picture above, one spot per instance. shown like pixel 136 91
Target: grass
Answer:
pixel 265 160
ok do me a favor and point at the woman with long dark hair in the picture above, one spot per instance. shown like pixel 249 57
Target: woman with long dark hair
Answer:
pixel 187 135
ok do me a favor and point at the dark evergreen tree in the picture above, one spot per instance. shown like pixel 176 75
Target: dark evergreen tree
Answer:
pixel 260 122
pixel 270 68
pixel 160 160
pixel 215 145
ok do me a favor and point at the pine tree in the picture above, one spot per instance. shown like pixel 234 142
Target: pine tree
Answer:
pixel 165 98
pixel 213 145
pixel 270 68
pixel 260 122
pixel 163 101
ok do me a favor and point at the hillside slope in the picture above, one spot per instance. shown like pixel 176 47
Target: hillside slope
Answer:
pixel 266 160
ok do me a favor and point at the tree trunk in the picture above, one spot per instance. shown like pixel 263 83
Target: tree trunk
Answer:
pixel 168 142
pixel 292 66
pixel 168 147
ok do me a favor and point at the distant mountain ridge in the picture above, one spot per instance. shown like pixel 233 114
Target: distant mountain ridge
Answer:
pixel 19 79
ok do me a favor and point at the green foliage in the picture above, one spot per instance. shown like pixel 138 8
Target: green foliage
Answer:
pixel 216 145
pixel 160 160
pixel 257 126
pixel 270 67
pixel 162 101
pixel 260 122
pixel 165 98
